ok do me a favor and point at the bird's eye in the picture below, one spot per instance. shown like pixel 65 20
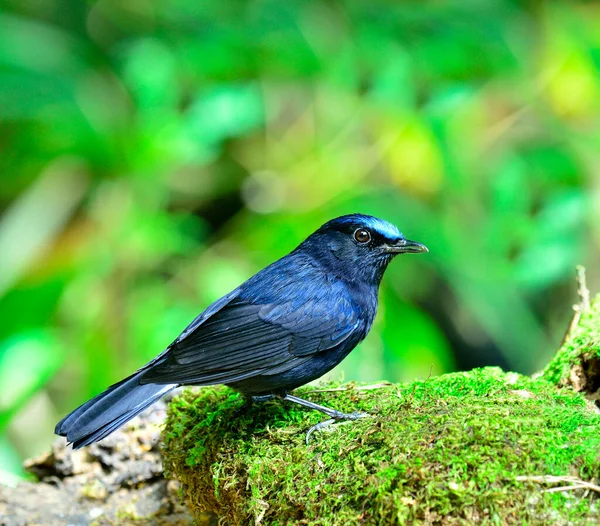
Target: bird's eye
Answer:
pixel 362 235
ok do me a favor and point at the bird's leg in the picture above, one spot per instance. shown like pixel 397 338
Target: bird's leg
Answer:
pixel 333 414
pixel 261 399
pixel 249 401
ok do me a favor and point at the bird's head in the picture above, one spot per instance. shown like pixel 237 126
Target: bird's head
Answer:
pixel 359 247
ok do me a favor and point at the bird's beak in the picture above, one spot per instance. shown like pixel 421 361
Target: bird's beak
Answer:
pixel 403 246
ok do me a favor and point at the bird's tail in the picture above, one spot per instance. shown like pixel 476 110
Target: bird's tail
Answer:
pixel 108 411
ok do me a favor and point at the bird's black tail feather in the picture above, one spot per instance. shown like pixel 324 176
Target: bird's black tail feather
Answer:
pixel 108 411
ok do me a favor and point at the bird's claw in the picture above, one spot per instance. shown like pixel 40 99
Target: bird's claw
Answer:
pixel 330 421
pixel 318 427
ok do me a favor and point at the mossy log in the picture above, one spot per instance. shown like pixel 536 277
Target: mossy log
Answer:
pixel 484 447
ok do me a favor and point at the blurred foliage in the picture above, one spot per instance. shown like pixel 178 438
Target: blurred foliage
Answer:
pixel 156 154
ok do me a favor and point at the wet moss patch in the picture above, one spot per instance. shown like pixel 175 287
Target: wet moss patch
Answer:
pixel 460 448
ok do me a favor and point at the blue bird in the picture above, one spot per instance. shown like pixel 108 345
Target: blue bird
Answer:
pixel 285 326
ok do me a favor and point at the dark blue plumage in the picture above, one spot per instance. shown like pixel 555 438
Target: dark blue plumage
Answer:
pixel 286 326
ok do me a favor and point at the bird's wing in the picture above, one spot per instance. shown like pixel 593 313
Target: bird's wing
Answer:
pixel 242 339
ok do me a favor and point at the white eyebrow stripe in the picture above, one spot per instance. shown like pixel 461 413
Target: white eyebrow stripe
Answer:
pixel 386 229
pixel 383 228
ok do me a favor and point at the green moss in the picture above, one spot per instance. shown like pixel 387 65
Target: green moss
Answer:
pixel 448 449
pixel 577 363
pixel 462 448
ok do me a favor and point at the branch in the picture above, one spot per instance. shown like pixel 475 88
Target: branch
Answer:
pixel 574 482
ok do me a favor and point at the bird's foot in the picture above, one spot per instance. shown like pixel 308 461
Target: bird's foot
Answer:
pixel 333 414
pixel 337 417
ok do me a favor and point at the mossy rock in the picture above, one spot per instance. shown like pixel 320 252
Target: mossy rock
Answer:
pixel 460 448
pixel 481 447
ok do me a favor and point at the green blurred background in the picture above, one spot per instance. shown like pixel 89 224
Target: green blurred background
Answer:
pixel 156 154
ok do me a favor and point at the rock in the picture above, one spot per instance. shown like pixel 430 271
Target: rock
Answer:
pixel 116 481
